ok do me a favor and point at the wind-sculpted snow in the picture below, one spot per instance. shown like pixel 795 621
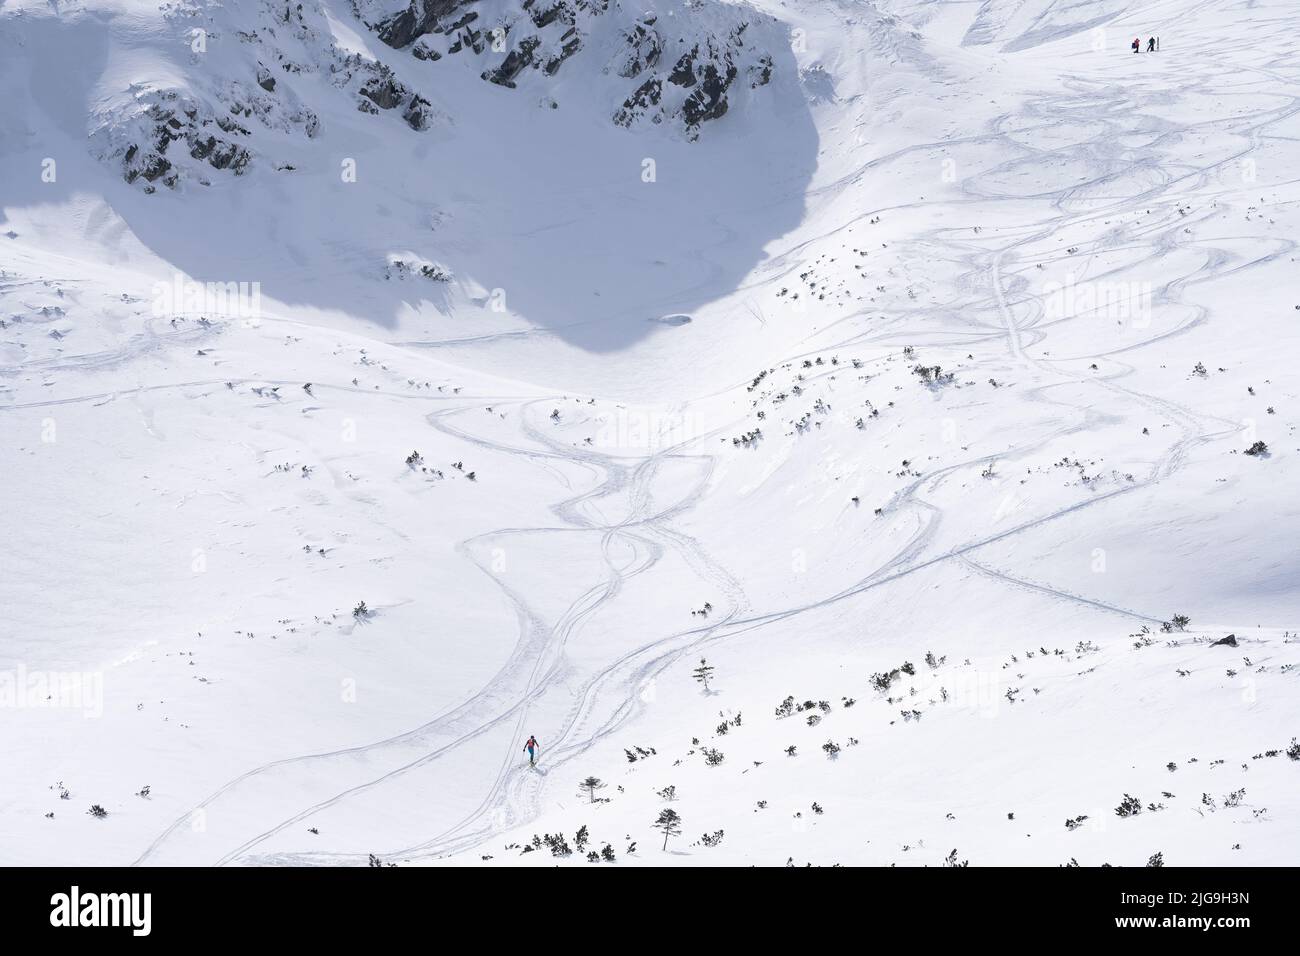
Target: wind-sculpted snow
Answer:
pixel 1031 24
pixel 1013 25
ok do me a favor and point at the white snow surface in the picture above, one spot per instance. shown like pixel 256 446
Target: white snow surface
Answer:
pixel 671 395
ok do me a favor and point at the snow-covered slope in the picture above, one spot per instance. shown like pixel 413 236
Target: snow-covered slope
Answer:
pixel 686 61
pixel 383 383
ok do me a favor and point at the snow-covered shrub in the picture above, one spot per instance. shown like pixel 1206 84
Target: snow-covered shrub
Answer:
pixel 1129 807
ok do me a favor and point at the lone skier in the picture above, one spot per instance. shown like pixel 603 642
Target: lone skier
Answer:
pixel 531 747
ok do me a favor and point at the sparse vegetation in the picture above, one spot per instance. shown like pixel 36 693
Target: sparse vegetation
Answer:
pixel 703 674
pixel 1128 807
pixel 669 822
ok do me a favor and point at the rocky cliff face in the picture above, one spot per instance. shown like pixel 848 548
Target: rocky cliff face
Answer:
pixel 672 63
pixel 683 60
pixel 706 74
pixel 241 98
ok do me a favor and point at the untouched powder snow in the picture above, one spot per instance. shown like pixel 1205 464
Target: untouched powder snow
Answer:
pixel 382 384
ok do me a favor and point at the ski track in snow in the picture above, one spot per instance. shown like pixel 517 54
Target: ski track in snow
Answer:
pixel 513 798
pixel 587 708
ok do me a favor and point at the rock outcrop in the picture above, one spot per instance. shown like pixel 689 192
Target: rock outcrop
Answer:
pixel 168 136
pixel 707 47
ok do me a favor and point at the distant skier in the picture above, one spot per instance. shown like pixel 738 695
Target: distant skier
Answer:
pixel 1151 45
pixel 531 747
pixel 1137 45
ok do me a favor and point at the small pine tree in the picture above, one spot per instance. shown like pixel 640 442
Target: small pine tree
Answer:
pixel 670 822
pixel 1128 807
pixel 703 673
pixel 591 785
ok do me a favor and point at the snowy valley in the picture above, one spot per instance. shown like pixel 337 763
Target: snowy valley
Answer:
pixel 855 432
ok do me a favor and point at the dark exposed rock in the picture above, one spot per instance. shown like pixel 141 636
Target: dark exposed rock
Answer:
pixel 646 48
pixel 463 22
pixel 384 91
pixel 157 166
pixel 420 18
pixel 705 65
pixel 228 125
pixel 571 43
pixel 546 12
pixel 418 113
pixel 709 101
pixel 1229 641
pixel 514 63
pixel 468 38
pixel 683 73
pixel 646 96
pixel 221 154
pixel 172 120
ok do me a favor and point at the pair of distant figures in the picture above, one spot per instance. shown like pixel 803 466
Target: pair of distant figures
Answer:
pixel 1153 44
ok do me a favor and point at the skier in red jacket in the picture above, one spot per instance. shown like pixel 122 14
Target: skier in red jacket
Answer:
pixel 531 747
